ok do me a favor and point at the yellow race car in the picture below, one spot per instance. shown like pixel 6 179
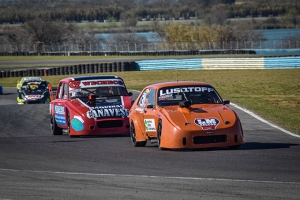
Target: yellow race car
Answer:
pixel 27 79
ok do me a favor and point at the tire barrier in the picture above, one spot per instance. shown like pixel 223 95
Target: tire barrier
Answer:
pixel 71 70
pixel 119 64
pixel 113 67
pixel 134 53
pixel 109 67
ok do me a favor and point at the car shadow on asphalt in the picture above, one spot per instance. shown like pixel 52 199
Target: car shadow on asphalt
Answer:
pixel 246 146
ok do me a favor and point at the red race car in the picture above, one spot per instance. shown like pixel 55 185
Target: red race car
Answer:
pixel 184 115
pixel 91 105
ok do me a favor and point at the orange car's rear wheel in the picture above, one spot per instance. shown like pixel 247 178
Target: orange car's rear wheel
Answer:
pixel 159 129
pixel 133 137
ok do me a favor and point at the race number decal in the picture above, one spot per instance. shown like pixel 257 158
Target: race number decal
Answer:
pixel 207 123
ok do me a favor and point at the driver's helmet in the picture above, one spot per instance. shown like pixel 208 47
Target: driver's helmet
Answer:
pixel 33 87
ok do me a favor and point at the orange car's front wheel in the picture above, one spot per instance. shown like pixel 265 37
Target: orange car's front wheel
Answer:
pixel 133 137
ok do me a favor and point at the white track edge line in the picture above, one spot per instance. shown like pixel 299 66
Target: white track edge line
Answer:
pixel 264 121
pixel 151 176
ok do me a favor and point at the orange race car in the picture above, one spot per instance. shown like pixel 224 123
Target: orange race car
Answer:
pixel 184 115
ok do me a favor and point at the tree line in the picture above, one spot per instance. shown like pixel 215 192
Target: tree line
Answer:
pixel 49 29
pixel 21 11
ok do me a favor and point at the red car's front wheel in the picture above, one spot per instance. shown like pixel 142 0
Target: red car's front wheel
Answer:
pixel 54 128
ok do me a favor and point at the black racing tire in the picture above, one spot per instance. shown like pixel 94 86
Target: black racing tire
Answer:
pixel 159 129
pixel 133 137
pixel 54 128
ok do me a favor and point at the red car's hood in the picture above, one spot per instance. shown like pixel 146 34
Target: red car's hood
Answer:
pixel 206 116
pixel 118 107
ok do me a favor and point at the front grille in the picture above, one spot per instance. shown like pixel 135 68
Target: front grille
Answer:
pixel 210 139
pixel 110 124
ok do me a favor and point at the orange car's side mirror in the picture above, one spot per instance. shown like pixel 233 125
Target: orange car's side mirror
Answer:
pixel 226 102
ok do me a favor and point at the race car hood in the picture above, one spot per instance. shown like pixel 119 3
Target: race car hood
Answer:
pixel 117 106
pixel 207 117
pixel 37 94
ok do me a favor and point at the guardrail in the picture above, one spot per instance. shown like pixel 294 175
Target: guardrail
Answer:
pixel 219 63
pixel 169 64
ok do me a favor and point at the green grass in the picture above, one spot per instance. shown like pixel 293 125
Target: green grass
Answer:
pixel 272 94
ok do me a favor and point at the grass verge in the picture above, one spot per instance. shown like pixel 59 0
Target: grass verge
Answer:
pixel 272 94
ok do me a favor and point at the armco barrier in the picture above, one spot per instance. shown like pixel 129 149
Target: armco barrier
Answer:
pixel 220 63
pixel 169 64
pixel 284 62
pixel 232 63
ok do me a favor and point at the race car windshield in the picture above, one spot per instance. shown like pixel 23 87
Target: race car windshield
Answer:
pixel 196 94
pixel 34 86
pixel 103 91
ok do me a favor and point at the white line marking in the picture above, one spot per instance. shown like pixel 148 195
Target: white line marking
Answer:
pixel 154 177
pixel 264 121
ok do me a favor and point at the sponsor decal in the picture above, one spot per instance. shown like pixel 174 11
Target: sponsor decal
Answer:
pixel 91 83
pixel 77 125
pixel 75 84
pixel 59 114
pixel 34 96
pixel 107 111
pixel 149 124
pixel 59 109
pixel 60 119
pixel 167 91
pixel 207 123
pixel 31 83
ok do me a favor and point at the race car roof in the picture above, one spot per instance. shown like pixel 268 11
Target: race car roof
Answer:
pixel 31 79
pixel 178 83
pixel 82 78
pixel 34 82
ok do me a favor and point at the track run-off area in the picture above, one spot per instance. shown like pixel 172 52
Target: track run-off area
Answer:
pixel 34 164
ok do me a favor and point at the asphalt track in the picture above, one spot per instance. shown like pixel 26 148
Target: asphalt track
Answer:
pixel 37 165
